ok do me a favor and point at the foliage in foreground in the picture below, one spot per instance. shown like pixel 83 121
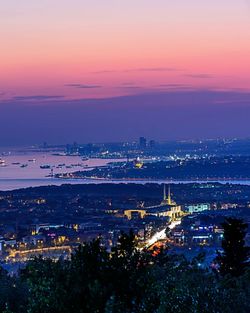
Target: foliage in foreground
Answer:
pixel 122 281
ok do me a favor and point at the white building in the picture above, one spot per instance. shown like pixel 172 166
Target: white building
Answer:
pixel 197 208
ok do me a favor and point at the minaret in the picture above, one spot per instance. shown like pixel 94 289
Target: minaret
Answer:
pixel 164 193
pixel 169 196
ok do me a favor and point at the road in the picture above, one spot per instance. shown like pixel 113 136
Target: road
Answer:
pixel 161 234
pixel 37 251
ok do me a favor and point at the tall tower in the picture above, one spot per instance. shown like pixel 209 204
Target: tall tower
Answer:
pixel 164 193
pixel 167 199
pixel 169 196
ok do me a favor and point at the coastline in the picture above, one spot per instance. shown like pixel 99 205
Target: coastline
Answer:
pixel 157 179
pixel 15 184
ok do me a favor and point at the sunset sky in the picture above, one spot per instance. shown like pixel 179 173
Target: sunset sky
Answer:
pixel 55 52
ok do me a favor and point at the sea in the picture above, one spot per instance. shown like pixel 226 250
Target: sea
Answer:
pixel 22 169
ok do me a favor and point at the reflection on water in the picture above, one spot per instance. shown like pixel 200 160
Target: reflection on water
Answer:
pixel 27 166
pixel 23 170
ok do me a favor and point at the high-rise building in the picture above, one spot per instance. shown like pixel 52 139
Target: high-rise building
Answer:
pixel 142 142
pixel 152 144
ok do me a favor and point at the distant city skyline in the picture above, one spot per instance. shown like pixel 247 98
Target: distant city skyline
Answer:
pixel 114 70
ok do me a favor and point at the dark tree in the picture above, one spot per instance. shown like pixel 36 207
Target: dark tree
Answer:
pixel 234 258
pixel 13 293
pixel 86 278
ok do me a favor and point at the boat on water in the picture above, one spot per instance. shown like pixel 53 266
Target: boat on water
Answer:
pixel 16 163
pixel 44 167
pixel 76 165
pixel 2 162
pixel 51 175
pixel 24 165
pixel 32 160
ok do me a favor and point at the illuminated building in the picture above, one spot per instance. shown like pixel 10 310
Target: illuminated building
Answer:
pixel 196 208
pixel 35 229
pixel 167 208
pixel 138 163
pixel 141 213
